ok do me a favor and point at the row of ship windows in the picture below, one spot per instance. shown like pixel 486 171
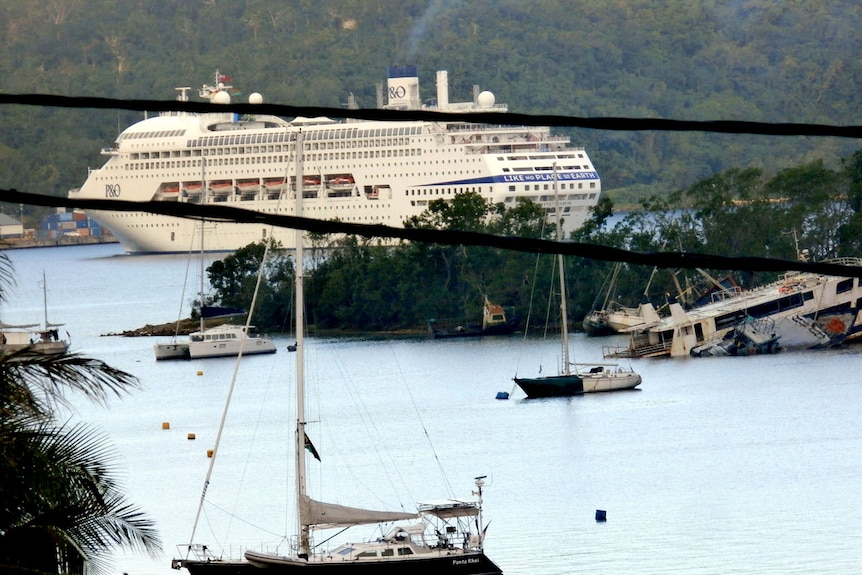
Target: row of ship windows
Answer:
pixel 345 218
pixel 562 186
pixel 279 136
pixel 329 145
pixel 234 152
pixel 236 159
pixel 355 135
pixel 353 154
pixel 255 160
pixel 544 168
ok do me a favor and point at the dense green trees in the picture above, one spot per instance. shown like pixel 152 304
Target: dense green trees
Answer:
pixel 705 61
pixel 63 509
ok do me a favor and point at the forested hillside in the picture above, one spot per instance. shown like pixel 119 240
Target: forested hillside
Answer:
pixel 759 60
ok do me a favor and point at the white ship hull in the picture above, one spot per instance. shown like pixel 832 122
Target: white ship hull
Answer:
pixel 365 172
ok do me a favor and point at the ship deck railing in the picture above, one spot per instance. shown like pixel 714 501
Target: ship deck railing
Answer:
pixel 640 351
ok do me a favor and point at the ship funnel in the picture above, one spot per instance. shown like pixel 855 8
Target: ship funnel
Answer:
pixel 403 88
pixel 442 90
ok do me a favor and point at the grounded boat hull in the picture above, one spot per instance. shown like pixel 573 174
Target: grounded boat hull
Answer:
pixel 807 310
pixel 551 386
pixel 470 564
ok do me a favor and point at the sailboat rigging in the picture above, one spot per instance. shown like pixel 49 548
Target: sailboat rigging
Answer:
pixel 568 382
pixel 444 537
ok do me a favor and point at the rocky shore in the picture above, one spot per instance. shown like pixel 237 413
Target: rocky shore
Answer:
pixel 184 327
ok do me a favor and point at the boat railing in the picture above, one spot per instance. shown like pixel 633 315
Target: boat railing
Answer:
pixel 845 261
pixel 725 294
pixel 636 351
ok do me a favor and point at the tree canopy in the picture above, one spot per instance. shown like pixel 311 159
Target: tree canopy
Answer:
pixel 708 61
pixel 358 284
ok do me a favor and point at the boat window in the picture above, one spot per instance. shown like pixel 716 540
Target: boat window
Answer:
pixel 844 286
pixel 367 554
pixel 346 551
pixel 387 552
pixel 405 551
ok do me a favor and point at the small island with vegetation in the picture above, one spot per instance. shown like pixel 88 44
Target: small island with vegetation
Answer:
pixel 357 285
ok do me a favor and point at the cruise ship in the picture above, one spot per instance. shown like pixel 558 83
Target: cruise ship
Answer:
pixel 358 171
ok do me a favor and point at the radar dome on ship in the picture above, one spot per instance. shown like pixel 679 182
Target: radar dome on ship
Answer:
pixel 486 99
pixel 255 98
pixel 221 97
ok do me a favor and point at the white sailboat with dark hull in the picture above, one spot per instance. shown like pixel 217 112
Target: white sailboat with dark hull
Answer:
pixel 441 538
pixel 569 382
pixel 367 172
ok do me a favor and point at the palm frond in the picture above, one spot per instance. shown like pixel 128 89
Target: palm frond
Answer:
pixel 7 276
pixel 66 493
pixel 38 383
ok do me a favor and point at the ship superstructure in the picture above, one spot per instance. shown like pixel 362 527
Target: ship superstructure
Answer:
pixel 368 172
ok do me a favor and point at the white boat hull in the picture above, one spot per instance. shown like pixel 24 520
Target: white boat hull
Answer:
pixel 171 351
pixel 610 381
pixel 252 346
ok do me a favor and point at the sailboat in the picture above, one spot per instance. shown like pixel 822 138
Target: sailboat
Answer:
pixel 442 537
pixel 598 377
pixel 41 339
pixel 225 340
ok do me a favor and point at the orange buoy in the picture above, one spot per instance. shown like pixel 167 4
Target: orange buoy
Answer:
pixel 191 436
pixel 166 425
pixel 200 372
pixel 209 452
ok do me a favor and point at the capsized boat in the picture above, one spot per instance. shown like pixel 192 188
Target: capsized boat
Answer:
pixel 440 537
pixel 569 382
pixel 612 317
pixel 749 337
pixel 807 309
pixel 496 320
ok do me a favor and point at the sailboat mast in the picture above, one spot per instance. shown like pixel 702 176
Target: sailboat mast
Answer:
pixel 203 201
pixel 564 313
pixel 304 544
pixel 44 302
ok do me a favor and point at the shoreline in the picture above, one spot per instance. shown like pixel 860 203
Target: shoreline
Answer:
pixel 20 244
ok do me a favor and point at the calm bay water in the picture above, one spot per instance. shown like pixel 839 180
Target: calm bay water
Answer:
pixel 716 465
